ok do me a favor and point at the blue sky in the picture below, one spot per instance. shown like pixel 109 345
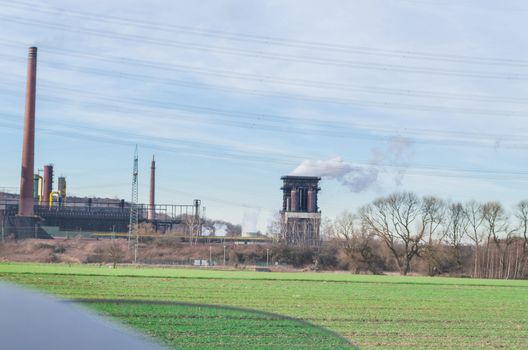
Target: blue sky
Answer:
pixel 376 96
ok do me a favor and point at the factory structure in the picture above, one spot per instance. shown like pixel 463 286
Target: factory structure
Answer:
pixel 40 205
pixel 300 215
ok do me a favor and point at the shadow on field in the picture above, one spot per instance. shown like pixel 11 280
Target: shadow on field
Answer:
pixel 203 326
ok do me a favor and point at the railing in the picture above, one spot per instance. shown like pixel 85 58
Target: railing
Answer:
pixel 158 212
pixel 9 190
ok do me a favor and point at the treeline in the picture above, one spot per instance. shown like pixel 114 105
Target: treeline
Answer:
pixel 408 233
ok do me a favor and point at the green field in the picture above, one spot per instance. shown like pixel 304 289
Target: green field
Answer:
pixel 207 327
pixel 373 311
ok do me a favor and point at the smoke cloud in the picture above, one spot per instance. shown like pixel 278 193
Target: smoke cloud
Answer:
pixel 357 178
pixel 250 220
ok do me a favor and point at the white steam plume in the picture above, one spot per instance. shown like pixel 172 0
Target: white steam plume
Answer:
pixel 360 177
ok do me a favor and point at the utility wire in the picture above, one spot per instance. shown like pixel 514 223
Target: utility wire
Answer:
pixel 264 40
pixel 174 145
pixel 289 160
pixel 208 116
pixel 475 112
pixel 246 77
pixel 269 56
pixel 309 125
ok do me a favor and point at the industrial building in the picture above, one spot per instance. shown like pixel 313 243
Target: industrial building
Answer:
pixel 53 208
pixel 38 205
pixel 300 215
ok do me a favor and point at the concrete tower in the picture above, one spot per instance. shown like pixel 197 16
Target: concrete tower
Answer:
pixel 300 214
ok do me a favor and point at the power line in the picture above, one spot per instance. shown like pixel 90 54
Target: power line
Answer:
pixel 280 57
pixel 425 171
pixel 77 132
pixel 309 98
pixel 172 144
pixel 266 40
pixel 350 102
pixel 346 102
pixel 318 127
pixel 256 121
pixel 250 77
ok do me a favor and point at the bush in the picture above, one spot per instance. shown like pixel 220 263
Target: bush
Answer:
pixel 327 257
pixel 295 256
pixel 59 249
pixel 44 246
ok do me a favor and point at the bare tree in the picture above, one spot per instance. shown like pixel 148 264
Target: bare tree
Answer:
pixel 115 252
pixel 521 214
pixel 192 225
pixel 498 232
pixel 456 228
pixel 474 217
pixel 276 228
pixel 355 240
pixel 327 229
pixel 400 221
pixel 433 210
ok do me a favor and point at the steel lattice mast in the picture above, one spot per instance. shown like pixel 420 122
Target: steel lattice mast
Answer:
pixel 133 226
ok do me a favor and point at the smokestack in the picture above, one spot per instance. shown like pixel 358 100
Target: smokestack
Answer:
pixel 36 183
pixel 25 207
pixel 152 200
pixel 61 186
pixel 47 184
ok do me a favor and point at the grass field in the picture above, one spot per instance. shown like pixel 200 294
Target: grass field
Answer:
pixel 199 327
pixel 373 311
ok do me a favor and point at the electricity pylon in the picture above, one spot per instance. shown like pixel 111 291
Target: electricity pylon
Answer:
pixel 133 226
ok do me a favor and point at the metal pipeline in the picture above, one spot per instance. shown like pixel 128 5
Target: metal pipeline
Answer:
pixel 50 199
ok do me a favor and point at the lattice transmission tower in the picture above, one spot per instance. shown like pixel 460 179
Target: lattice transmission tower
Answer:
pixel 133 226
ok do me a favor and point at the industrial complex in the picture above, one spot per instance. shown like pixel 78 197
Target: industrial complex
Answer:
pixel 40 207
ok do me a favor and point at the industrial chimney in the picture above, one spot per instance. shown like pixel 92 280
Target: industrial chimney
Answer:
pixel 47 184
pixel 25 207
pixel 152 200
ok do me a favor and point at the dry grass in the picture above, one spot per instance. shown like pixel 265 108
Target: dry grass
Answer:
pixel 159 251
pixel 59 251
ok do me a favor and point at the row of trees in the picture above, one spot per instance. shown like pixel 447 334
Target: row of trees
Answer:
pixel 477 239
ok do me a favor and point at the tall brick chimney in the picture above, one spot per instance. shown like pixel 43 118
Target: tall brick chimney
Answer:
pixel 25 207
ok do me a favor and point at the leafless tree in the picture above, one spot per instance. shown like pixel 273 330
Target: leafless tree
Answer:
pixel 521 214
pixel 400 221
pixel 115 252
pixel 474 217
pixel 355 240
pixel 276 228
pixel 455 230
pixel 433 210
pixel 192 225
pixel 498 232
pixel 327 229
